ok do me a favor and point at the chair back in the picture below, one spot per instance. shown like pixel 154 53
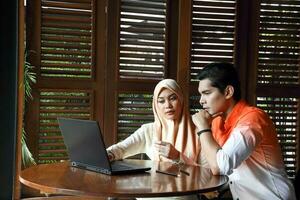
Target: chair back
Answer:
pixel 297 184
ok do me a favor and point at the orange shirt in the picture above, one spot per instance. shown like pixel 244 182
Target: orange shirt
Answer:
pixel 251 155
pixel 240 113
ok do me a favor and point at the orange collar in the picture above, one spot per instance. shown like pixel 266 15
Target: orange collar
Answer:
pixel 235 114
pixel 222 129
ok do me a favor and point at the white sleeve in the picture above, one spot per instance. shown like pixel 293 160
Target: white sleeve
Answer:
pixel 202 160
pixel 239 146
pixel 136 143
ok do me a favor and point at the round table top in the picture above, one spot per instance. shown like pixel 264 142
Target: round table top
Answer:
pixel 61 178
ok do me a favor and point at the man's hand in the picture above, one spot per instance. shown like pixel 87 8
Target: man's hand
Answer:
pixel 166 149
pixel 203 119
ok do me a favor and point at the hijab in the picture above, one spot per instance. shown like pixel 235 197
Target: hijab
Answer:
pixel 181 132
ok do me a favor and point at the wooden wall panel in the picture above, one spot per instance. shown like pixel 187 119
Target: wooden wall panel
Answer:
pixel 123 48
pixel 62 42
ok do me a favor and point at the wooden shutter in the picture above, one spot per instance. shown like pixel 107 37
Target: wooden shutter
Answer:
pixel 195 104
pixel 66 39
pixel 212 39
pixel 213 33
pixel 142 39
pixel 278 87
pixel 284 111
pixel 59 103
pixel 134 110
pixel 61 42
pixel 142 61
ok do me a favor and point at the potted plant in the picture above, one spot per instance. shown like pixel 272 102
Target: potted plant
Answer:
pixel 29 79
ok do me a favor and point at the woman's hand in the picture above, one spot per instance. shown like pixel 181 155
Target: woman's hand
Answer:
pixel 166 149
pixel 111 156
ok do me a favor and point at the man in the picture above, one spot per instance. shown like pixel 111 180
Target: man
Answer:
pixel 239 140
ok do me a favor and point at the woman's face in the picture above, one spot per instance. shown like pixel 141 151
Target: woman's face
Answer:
pixel 168 104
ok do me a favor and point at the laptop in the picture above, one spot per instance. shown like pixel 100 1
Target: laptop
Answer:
pixel 86 148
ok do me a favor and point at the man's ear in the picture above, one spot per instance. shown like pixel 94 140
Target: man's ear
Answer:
pixel 229 91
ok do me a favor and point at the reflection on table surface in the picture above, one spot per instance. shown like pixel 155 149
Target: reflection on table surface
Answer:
pixel 61 178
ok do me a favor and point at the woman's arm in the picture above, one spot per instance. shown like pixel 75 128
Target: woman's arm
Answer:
pixel 136 143
pixel 168 151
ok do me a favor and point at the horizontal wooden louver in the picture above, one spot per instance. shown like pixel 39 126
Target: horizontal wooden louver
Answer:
pixel 213 30
pixel 133 111
pixel 278 67
pixel 194 104
pixel 142 39
pixel 283 112
pixel 279 42
pixel 59 103
pixel 66 39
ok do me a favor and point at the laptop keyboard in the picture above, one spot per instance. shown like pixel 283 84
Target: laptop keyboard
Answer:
pixel 120 166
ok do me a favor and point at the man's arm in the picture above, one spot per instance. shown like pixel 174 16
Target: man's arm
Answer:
pixel 209 146
pixel 243 141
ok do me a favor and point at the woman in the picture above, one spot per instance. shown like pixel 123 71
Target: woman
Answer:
pixel 171 137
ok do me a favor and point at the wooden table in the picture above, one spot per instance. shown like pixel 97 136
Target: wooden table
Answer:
pixel 61 178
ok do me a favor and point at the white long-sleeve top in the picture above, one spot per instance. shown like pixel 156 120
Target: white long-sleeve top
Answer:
pixel 141 141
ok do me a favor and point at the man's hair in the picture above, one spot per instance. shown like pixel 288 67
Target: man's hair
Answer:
pixel 221 75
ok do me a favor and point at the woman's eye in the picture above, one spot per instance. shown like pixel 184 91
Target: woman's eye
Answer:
pixel 161 101
pixel 173 98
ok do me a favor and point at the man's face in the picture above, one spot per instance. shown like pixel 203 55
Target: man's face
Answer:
pixel 212 100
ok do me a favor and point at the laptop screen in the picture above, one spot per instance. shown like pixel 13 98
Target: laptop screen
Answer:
pixel 84 142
